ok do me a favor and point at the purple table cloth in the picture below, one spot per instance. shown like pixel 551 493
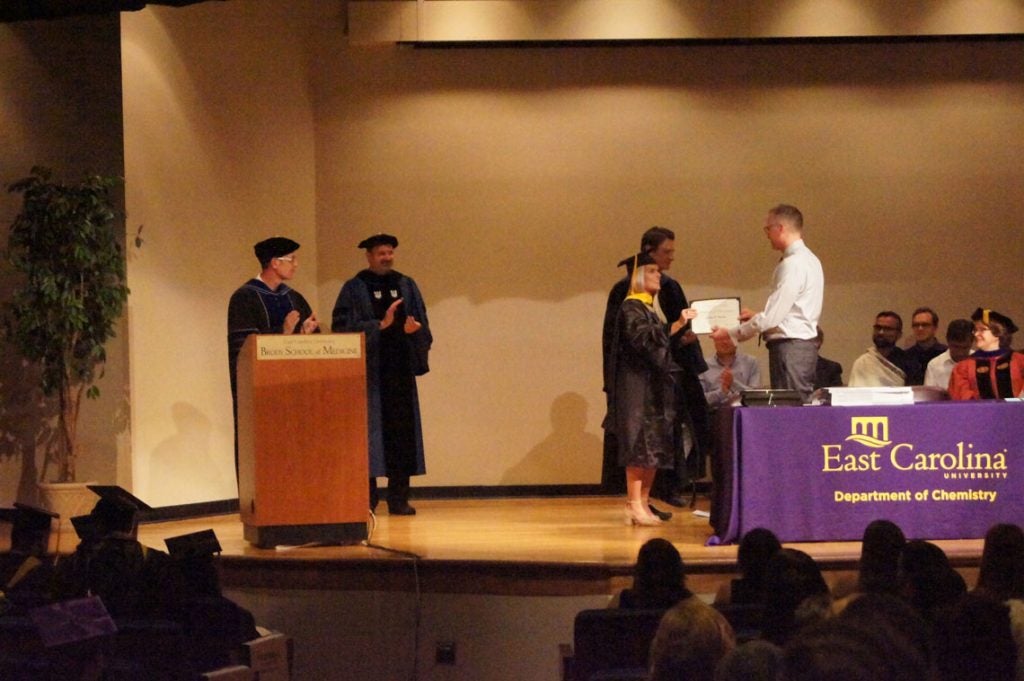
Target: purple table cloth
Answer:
pixel 947 470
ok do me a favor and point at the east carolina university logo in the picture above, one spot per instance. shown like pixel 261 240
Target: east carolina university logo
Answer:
pixel 872 432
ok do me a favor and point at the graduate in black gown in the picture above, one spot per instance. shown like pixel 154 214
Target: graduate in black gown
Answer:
pixel 387 306
pixel 26 572
pixel 266 304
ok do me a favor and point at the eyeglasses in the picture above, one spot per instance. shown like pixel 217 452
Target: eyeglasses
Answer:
pixel 289 258
pixel 922 325
pixel 885 329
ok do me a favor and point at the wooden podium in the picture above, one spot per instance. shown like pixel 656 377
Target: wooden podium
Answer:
pixel 303 471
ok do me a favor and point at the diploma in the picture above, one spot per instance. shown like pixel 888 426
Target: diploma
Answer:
pixel 713 312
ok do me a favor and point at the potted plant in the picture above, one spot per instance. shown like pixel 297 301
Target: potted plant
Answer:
pixel 65 247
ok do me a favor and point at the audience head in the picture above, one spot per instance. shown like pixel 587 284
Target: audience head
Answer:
pixel 960 338
pixel 883 610
pixel 790 578
pixel 924 323
pixel 753 661
pixel 879 557
pixel 974 641
pixel 691 640
pixel 926 578
pixel 1001 575
pixel 756 548
pixel 991 327
pixel 658 566
pixel 887 329
pixel 843 649
pixel 30 528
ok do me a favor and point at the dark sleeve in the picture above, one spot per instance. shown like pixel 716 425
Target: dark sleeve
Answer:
pixel 246 316
pixel 352 312
pixel 305 311
pixel 422 340
pixel 645 335
pixel 689 356
pixel 611 315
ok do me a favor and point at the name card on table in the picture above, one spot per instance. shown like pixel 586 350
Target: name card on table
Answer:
pixel 308 346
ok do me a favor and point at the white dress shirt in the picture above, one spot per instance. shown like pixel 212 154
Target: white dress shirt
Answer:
pixel 794 305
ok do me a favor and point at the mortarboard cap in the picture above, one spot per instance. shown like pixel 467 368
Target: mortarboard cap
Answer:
pixel 119 496
pixel 377 240
pixel 634 261
pixel 193 545
pixel 117 507
pixel 32 517
pixel 274 247
pixel 984 315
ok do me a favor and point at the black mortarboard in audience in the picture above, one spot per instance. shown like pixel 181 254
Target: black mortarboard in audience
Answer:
pixel 378 240
pixel 117 509
pixel 193 545
pixel 274 247
pixel 30 526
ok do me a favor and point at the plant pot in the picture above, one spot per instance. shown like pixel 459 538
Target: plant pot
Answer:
pixel 69 499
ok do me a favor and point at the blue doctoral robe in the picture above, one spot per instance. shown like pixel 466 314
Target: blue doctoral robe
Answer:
pixel 353 312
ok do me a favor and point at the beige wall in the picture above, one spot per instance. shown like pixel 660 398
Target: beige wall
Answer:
pixel 517 178
pixel 219 154
pixel 60 106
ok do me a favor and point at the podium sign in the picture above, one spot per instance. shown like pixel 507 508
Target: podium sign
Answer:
pixel 303 471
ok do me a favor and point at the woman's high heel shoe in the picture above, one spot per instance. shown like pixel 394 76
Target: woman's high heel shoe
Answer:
pixel 636 515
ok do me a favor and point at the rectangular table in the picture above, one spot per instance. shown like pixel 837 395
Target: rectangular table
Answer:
pixel 941 470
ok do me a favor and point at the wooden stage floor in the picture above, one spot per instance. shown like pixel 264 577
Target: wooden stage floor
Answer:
pixel 520 546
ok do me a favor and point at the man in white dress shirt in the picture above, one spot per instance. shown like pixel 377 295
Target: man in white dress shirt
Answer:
pixel 789 321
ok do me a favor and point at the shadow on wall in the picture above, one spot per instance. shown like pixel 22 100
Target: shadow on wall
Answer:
pixel 568 448
pixel 27 421
pixel 186 455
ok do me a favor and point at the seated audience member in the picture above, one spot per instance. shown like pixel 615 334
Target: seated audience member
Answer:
pixel 25 570
pixel 879 556
pixel 1001 574
pixel 659 578
pixel 110 562
pixel 729 373
pixel 215 626
pixel 884 364
pixel 924 323
pixel 959 342
pixel 691 640
pixel 889 611
pixel 850 649
pixel 755 550
pixel 926 579
pixel 751 661
pixel 994 370
pixel 795 595
pixel 827 373
pixel 973 641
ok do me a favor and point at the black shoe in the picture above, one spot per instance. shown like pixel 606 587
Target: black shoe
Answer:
pixel 662 515
pixel 675 499
pixel 401 509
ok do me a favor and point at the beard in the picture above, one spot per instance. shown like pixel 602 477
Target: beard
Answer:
pixel 882 343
